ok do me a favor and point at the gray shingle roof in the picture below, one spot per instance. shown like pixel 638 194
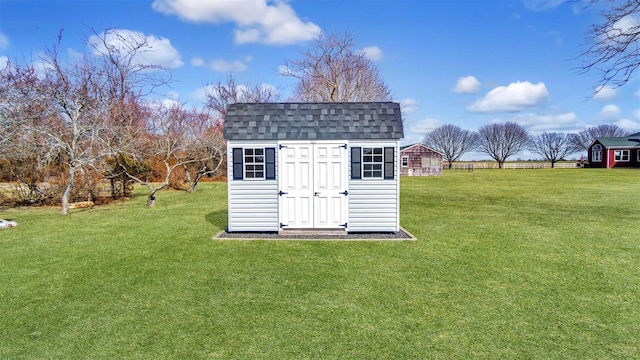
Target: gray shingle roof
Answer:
pixel 313 121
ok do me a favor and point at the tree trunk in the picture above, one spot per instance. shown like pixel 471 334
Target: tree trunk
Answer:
pixel 553 164
pixel 67 191
pixel 151 200
pixel 192 183
pixel 113 188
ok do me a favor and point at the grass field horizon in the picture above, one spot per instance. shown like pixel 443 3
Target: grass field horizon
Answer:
pixel 507 264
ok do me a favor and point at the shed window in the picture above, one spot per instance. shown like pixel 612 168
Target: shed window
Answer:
pixel 639 156
pixel 621 155
pixel 405 161
pixel 253 163
pixel 596 155
pixel 372 162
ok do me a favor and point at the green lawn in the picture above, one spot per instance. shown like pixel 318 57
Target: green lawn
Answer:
pixel 508 264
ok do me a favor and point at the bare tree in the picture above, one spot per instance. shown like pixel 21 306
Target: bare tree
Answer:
pixel 332 71
pixel 172 141
pixel 221 94
pixel 22 113
pixel 451 141
pixel 86 109
pixel 502 140
pixel 126 79
pixel 553 146
pixel 584 139
pixel 205 149
pixel 74 133
pixel 614 44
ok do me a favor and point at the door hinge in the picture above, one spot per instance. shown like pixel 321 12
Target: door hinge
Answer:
pixel 281 146
pixel 344 225
pixel 283 225
pixel 282 193
pixel 345 193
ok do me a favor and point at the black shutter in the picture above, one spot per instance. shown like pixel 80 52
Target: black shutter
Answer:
pixel 389 163
pixel 237 164
pixel 356 160
pixel 270 162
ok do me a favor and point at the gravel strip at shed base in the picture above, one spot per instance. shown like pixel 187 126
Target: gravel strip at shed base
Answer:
pixel 401 235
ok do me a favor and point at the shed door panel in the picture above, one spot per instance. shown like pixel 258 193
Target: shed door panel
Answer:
pixel 330 180
pixel 296 206
pixel 313 178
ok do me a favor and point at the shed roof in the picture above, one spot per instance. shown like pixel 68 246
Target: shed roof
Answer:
pixel 405 147
pixel 631 141
pixel 313 121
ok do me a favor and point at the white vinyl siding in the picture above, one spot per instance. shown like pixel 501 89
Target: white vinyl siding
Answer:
pixel 253 205
pixel 374 205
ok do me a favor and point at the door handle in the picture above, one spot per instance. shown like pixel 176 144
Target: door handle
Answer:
pixel 316 194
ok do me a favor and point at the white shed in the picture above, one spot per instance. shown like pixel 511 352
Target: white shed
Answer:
pixel 313 166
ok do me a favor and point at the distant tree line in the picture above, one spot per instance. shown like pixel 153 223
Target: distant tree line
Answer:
pixel 503 140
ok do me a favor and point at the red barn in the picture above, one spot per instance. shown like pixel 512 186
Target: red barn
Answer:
pixel 420 160
pixel 615 152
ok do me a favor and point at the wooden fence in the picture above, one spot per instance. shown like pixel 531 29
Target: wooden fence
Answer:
pixel 470 166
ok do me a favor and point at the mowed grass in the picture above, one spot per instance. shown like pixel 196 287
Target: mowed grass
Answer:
pixel 508 264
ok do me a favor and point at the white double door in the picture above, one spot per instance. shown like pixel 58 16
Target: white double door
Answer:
pixel 313 185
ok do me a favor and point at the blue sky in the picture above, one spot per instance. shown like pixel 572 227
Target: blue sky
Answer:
pixel 467 63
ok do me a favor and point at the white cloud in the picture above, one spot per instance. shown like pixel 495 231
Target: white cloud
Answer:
pixel 4 40
pixel 274 23
pixel 628 125
pixel 173 95
pixel 537 124
pixel 159 50
pixel 610 112
pixel 41 68
pixel 3 62
pixel 467 85
pixel 373 53
pixel 514 97
pixel 604 93
pixel 222 65
pixel 200 94
pixel 623 31
pixel 636 113
pixel 422 127
pixel 409 106
pixel 196 61
pixel 540 5
pixel 169 103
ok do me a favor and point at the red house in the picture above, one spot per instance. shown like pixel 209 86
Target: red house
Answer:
pixel 615 152
pixel 420 160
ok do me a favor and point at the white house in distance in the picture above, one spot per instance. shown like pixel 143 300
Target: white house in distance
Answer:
pixel 313 166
